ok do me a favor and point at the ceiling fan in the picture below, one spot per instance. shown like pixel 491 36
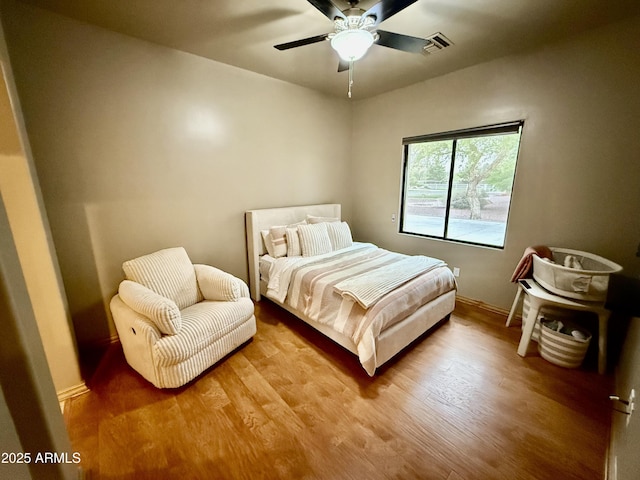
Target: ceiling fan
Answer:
pixel 355 30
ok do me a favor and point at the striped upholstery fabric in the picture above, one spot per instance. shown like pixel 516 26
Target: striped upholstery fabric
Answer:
pixel 170 346
pixel 176 375
pixel 169 273
pixel 340 235
pixel 202 326
pixel 216 284
pixel 314 239
pixel 163 311
pixel 293 242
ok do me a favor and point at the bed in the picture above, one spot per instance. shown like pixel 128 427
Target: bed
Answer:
pixel 370 301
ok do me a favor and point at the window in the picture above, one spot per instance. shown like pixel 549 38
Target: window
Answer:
pixel 457 185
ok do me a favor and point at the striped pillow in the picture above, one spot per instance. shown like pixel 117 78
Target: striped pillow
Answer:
pixel 293 242
pixel 314 239
pixel 275 241
pixel 339 234
pixel 162 311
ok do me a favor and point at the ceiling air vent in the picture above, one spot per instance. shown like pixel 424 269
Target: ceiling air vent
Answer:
pixel 437 42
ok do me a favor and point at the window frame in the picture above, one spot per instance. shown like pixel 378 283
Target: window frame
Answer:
pixel 455 135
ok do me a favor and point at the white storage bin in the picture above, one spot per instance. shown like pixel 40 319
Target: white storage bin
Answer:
pixel 589 283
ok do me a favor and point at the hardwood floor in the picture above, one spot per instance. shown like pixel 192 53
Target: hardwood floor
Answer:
pixel 458 404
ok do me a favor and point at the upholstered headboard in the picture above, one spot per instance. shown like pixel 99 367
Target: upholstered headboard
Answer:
pixel 257 220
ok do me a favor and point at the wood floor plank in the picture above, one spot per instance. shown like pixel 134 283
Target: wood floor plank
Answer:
pixel 459 404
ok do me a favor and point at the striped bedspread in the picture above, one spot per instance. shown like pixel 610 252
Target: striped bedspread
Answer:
pixel 311 285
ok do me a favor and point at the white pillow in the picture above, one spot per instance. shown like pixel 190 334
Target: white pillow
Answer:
pixel 314 239
pixel 216 284
pixel 293 242
pixel 161 310
pixel 311 219
pixel 339 234
pixel 268 246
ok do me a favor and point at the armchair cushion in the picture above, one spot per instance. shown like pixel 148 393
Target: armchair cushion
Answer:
pixel 168 273
pixel 163 311
pixel 216 284
pixel 202 325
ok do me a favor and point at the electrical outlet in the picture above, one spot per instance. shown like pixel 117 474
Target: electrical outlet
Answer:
pixel 456 272
pixel 628 406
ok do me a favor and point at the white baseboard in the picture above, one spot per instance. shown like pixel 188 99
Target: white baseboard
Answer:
pixel 71 392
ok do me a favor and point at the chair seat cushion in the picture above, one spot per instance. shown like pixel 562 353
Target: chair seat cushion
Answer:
pixel 202 324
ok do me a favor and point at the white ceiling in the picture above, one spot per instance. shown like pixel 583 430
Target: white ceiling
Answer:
pixel 242 33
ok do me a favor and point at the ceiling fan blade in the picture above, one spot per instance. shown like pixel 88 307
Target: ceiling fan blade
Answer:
pixel 343 65
pixel 327 8
pixel 405 43
pixel 302 42
pixel 387 8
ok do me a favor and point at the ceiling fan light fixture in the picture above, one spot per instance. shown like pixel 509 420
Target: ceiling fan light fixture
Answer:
pixel 352 44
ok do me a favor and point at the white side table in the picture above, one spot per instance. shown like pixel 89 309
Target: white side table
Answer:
pixel 539 297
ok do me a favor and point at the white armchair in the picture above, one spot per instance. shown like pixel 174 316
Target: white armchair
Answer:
pixel 176 319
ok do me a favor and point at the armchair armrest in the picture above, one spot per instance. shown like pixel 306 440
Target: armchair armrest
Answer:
pixel 138 335
pixel 163 311
pixel 127 320
pixel 216 284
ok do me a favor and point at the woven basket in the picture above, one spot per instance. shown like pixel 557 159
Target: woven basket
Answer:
pixel 549 313
pixel 562 349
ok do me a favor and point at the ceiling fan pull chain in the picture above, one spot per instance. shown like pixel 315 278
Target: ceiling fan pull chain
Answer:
pixel 350 77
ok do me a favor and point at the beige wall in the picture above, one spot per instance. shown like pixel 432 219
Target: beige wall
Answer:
pixel 20 193
pixel 577 180
pixel 139 147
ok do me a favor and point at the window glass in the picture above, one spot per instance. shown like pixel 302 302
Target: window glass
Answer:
pixel 458 185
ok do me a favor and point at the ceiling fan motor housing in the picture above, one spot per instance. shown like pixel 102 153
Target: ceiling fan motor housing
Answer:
pixel 354 20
